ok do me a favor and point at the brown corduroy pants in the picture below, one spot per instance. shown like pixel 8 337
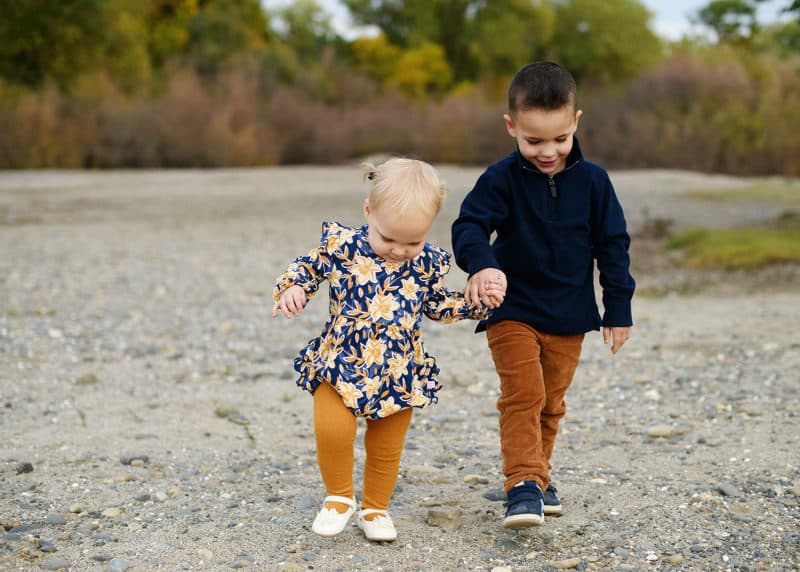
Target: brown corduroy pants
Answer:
pixel 535 370
pixel 335 432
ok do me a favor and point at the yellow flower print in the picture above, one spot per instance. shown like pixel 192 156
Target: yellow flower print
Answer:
pixel 350 394
pixel 338 236
pixel 398 365
pixel 371 385
pixel 364 269
pixel 418 399
pixel 373 352
pixel 408 320
pixel 382 306
pixel 409 289
pixel 334 278
pixel 388 407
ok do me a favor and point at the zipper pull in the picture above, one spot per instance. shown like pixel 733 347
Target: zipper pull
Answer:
pixel 553 191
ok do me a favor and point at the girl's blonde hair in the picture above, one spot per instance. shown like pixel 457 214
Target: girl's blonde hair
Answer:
pixel 405 185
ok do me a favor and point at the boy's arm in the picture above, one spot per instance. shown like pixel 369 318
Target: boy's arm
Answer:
pixel 482 211
pixel 611 241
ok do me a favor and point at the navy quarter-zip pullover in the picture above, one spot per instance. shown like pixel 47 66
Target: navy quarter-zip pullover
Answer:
pixel 549 231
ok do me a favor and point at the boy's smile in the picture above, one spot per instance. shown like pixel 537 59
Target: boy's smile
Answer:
pixel 544 137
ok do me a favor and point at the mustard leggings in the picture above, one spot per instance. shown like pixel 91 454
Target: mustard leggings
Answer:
pixel 335 431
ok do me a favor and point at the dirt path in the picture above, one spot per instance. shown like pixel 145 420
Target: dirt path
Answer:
pixel 150 419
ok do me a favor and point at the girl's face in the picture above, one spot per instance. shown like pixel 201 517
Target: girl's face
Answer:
pixel 396 238
pixel 544 137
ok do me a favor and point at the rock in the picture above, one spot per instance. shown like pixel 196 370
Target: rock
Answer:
pixel 446 519
pixel 205 555
pixel 76 508
pixel 727 490
pixel 242 561
pixel 88 379
pixel 118 565
pixel 55 518
pixel 306 502
pixel 131 458
pixel 23 467
pixel 663 431
pixel 476 479
pixel 495 495
pixel 675 559
pixel 567 564
pixel 55 564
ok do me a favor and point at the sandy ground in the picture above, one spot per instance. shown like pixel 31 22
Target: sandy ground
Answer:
pixel 149 417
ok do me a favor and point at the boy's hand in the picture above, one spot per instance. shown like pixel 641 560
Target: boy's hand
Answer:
pixel 291 302
pixel 486 288
pixel 618 335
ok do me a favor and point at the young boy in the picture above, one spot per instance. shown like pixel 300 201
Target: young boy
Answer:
pixel 554 214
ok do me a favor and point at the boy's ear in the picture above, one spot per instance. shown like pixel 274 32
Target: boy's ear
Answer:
pixel 510 125
pixel 578 115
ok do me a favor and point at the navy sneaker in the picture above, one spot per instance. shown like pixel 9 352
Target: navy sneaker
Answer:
pixel 552 504
pixel 524 506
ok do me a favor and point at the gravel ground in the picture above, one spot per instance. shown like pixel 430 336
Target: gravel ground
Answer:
pixel 150 419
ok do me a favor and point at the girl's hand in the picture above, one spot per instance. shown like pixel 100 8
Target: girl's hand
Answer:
pixel 486 288
pixel 618 336
pixel 291 302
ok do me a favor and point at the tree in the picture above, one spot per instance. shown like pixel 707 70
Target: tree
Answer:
pixel 42 40
pixel 224 29
pixel 307 30
pixel 605 40
pixel 507 34
pixel 733 21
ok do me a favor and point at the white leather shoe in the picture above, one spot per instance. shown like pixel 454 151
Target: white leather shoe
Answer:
pixel 379 529
pixel 330 522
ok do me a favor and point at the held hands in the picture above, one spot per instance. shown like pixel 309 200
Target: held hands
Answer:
pixel 291 302
pixel 486 288
pixel 618 336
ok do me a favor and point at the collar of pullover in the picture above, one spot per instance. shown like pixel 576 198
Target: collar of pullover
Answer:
pixel 574 156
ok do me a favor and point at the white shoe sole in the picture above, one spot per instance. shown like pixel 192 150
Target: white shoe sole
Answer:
pixel 330 522
pixel 379 529
pixel 523 521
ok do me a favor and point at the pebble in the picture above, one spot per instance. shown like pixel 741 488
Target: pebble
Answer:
pixel 23 467
pixel 567 564
pixel 76 508
pixel 663 431
pixel 55 518
pixel 446 519
pixel 118 565
pixel 87 379
pixel 55 564
pixel 128 460
pixel 306 502
pixel 675 559
pixel 727 489
pixel 242 561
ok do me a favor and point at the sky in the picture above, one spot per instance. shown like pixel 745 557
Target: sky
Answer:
pixel 671 18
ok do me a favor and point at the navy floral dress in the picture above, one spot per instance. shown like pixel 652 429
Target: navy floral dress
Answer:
pixel 370 348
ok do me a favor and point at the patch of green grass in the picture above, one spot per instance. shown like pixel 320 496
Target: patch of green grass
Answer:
pixel 745 248
pixel 787 193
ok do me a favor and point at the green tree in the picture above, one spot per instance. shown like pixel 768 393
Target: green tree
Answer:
pixel 376 56
pixel 307 30
pixel 604 40
pixel 41 40
pixel 507 34
pixel 422 71
pixel 223 30
pixel 733 21
pixel 168 24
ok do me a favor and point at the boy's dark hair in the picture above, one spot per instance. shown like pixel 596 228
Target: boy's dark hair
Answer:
pixel 542 85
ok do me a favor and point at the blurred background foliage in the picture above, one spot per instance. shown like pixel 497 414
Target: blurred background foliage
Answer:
pixel 205 83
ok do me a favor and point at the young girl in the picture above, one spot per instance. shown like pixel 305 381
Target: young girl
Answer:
pixel 369 360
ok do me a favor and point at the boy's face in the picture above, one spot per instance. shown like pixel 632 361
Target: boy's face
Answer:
pixel 544 136
pixel 396 238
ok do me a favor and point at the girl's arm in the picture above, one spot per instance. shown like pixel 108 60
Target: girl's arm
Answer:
pixel 444 305
pixel 302 279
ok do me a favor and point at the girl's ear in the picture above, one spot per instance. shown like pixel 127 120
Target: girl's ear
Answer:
pixel 366 207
